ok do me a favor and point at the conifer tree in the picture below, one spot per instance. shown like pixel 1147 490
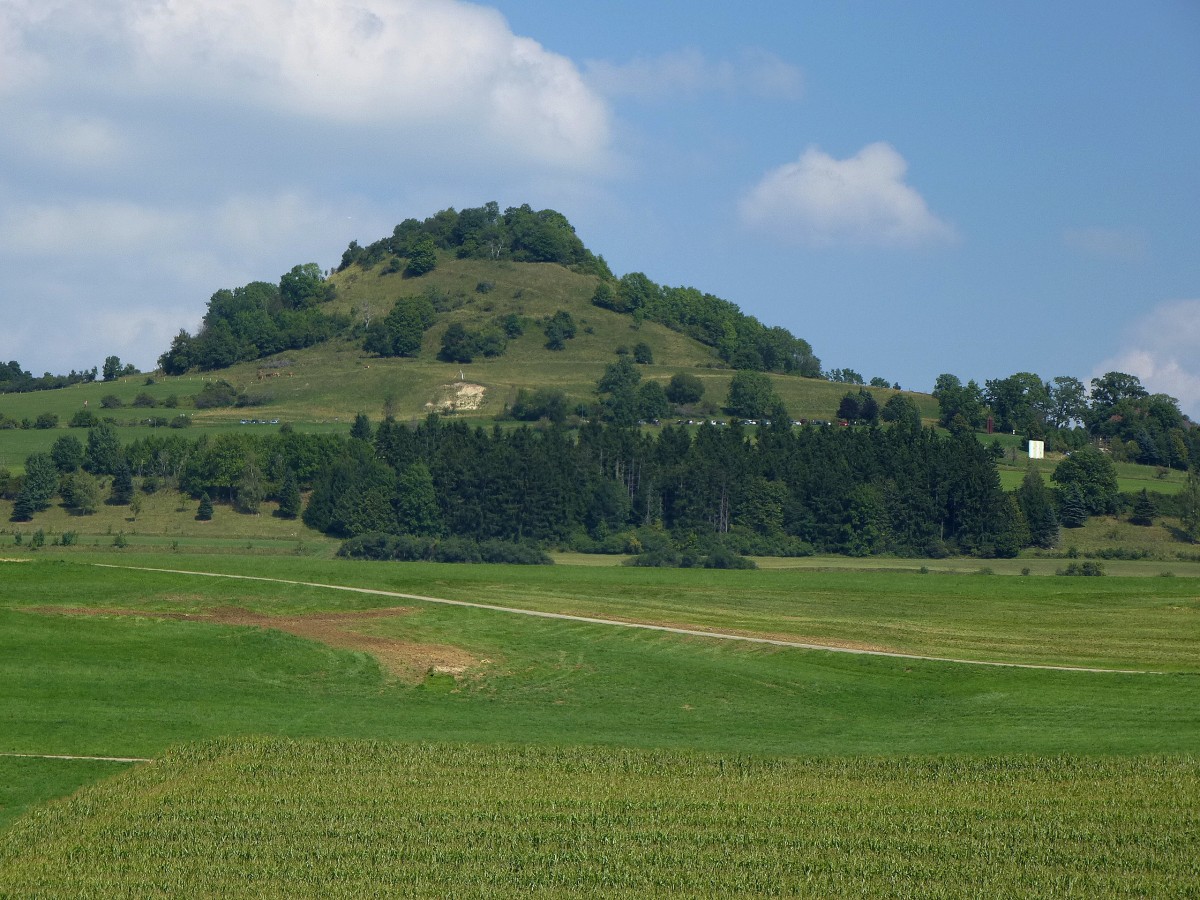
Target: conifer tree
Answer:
pixel 205 511
pixel 1144 510
pixel 122 485
pixel 1038 510
pixel 289 496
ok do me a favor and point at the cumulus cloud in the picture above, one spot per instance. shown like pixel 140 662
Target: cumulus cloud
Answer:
pixel 1163 349
pixel 452 68
pixel 862 200
pixel 1107 243
pixel 689 72
pixel 122 277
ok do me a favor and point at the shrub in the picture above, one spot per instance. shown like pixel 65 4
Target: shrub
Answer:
pixel 110 401
pixel 46 420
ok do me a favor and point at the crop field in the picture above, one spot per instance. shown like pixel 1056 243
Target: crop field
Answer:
pixel 357 742
pixel 351 819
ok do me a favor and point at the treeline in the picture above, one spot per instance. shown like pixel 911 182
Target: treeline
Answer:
pixel 677 497
pixel 15 380
pixel 520 234
pixel 790 491
pixel 741 340
pixel 1118 412
pixel 257 320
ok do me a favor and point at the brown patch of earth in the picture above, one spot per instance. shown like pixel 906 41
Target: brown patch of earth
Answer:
pixel 408 660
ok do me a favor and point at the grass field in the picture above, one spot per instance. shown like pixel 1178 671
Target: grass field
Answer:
pixel 575 745
pixel 353 819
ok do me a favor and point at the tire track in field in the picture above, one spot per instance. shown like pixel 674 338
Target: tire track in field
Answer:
pixel 120 759
pixel 644 626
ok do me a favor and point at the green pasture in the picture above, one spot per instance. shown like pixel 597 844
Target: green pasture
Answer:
pixel 785 763
pixel 271 818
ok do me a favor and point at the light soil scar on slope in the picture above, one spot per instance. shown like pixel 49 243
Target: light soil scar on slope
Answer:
pixel 407 660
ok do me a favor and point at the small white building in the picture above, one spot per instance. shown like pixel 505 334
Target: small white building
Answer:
pixel 1037 449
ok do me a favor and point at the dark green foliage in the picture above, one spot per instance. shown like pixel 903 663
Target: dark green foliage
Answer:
pixel 110 401
pixel 1093 473
pixel 958 402
pixel 1087 569
pixel 67 453
pixel 103 453
pixel 843 376
pixel 642 354
pixel 41 480
pixel 256 320
pixel 848 409
pixel 685 388
pixel 14 379
pixel 411 548
pixel 458 344
pixel 122 485
pixel 400 332
pixel 543 403
pixel 46 420
pixel 901 410
pixel 520 234
pixel 145 401
pixel 304 287
pixel 422 259
pixel 416 502
pixel 289 496
pixel 559 329
pixel 112 368
pixel 1144 510
pixel 741 340
pixel 204 512
pixel 84 418
pixel 652 402
pixel 361 429
pixel 216 394
pixel 81 492
pixel 750 395
pixel 249 491
pixel 23 509
pixel 1037 506
pixel 1072 509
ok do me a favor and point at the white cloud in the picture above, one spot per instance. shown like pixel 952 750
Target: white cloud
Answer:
pixel 690 73
pixel 452 68
pixel 1109 243
pixel 122 277
pixel 862 200
pixel 1163 349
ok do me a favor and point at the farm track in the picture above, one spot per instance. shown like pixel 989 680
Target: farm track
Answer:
pixel 645 626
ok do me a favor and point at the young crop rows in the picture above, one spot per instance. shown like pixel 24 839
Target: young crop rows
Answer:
pixel 273 818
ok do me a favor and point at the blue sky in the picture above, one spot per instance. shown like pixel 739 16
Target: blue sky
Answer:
pixel 915 188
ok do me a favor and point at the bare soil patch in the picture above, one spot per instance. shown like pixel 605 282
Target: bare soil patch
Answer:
pixel 409 661
pixel 458 396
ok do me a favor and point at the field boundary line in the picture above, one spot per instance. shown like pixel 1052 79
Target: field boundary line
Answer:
pixel 644 626
pixel 128 759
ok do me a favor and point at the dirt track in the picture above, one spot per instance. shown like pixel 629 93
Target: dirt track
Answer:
pixel 647 626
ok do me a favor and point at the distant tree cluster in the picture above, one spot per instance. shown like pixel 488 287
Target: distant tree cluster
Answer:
pixel 257 320
pixel 15 380
pixel 520 234
pixel 1132 424
pixel 741 340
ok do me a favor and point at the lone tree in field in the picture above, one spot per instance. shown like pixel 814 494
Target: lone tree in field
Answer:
pixel 204 512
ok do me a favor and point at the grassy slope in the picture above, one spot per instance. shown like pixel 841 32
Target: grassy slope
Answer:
pixel 351 819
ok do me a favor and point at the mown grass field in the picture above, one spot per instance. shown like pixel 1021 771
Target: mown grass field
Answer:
pixel 352 819
pixel 580 759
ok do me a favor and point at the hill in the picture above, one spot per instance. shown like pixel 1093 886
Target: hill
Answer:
pixel 500 280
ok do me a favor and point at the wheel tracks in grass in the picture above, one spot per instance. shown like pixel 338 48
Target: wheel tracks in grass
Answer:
pixel 643 626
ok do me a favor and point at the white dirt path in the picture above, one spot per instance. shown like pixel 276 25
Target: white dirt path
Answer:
pixel 645 626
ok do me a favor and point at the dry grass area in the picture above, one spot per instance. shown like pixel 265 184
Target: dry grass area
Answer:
pixel 409 661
